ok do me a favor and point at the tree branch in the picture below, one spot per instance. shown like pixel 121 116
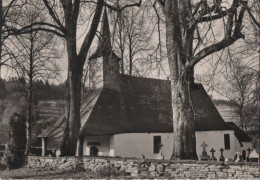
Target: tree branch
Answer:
pixel 228 39
pixel 252 17
pixel 92 31
pixel 122 8
pixel 76 10
pixel 55 18
pixel 27 29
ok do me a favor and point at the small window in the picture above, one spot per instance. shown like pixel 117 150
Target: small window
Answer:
pixel 156 144
pixel 227 141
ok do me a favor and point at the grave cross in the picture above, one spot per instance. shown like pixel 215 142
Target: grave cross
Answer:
pixel 204 155
pixel 204 145
pixel 212 156
pixel 249 150
pixel 221 158
pixel 237 159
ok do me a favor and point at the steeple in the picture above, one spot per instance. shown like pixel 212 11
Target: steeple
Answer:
pixel 110 59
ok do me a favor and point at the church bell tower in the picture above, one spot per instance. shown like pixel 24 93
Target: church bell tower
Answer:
pixel 109 60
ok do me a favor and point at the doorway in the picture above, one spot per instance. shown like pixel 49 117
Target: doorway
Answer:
pixel 93 151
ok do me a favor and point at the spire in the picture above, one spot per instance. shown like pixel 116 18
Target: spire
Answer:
pixel 110 59
pixel 104 43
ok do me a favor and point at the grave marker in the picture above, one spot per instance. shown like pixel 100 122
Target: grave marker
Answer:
pixel 213 158
pixel 221 158
pixel 204 155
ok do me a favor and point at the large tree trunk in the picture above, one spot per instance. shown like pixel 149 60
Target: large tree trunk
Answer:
pixel 72 118
pixel 184 146
pixel 1 32
pixel 76 63
pixel 181 80
pixel 74 110
pixel 65 137
pixel 182 20
pixel 29 118
pixel 30 100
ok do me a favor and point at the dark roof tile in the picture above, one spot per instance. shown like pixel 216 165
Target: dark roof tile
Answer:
pixel 141 105
pixel 239 133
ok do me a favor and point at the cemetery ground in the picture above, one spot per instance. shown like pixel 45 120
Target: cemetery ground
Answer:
pixel 27 173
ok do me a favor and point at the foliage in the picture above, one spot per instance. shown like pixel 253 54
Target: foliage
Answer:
pixel 46 91
pixel 2 89
pixel 14 155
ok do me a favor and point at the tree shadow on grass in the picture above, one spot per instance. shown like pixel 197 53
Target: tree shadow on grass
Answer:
pixel 45 174
pixel 52 175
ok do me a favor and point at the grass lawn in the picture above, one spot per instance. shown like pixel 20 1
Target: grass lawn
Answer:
pixel 26 173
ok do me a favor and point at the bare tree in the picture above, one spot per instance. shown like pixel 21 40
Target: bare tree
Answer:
pixel 8 14
pixel 238 86
pixel 35 56
pixel 188 24
pixel 132 37
pixel 63 22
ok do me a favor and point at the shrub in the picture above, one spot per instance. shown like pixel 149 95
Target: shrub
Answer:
pixel 13 158
pixel 14 152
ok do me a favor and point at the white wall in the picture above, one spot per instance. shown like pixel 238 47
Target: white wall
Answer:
pixel 112 148
pixel 215 139
pixel 104 148
pixel 136 144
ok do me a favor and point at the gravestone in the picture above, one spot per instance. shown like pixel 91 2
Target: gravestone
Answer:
pixel 248 150
pixel 237 157
pixel 213 158
pixel 253 156
pixel 58 153
pixel 204 156
pixel 221 158
pixel 160 155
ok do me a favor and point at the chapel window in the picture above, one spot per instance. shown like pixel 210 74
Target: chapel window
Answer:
pixel 157 144
pixel 227 141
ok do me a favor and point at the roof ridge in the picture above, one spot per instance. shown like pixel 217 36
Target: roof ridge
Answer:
pixel 141 77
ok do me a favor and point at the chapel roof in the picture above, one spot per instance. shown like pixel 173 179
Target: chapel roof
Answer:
pixel 239 133
pixel 141 105
pixel 206 114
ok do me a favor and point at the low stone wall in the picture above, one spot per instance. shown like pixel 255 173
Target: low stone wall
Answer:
pixel 144 168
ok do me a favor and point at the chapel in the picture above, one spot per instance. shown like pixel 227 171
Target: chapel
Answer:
pixel 128 116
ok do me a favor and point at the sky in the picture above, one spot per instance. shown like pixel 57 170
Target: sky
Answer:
pixel 206 66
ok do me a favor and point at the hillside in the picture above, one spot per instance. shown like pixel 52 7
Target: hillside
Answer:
pixel 227 113
pixel 45 114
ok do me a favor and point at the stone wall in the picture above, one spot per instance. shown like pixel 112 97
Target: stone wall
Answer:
pixel 144 168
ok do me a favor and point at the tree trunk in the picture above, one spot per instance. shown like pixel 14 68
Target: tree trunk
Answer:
pixel 76 63
pixel 130 56
pixel 30 100
pixel 74 110
pixel 65 137
pixel 181 79
pixel 29 118
pixel 184 145
pixel 1 32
